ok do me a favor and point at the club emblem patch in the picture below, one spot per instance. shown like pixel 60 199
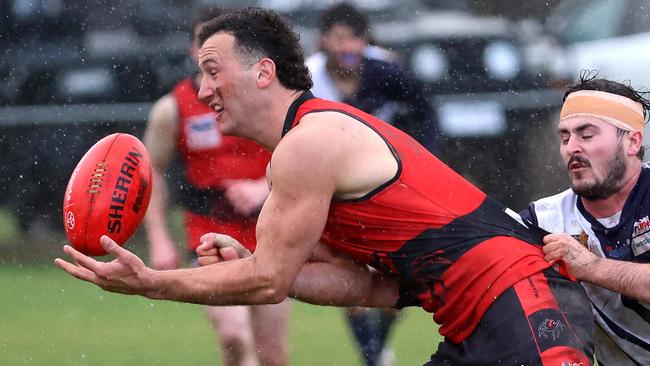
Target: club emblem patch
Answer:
pixel 550 328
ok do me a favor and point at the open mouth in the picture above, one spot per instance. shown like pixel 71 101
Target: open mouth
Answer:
pixel 577 162
pixel 218 109
pixel 576 166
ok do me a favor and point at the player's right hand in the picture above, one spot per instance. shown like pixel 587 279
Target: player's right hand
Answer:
pixel 217 248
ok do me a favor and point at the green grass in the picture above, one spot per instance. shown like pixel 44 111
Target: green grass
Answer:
pixel 49 318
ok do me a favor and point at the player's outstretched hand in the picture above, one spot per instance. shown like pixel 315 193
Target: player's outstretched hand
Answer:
pixel 217 248
pixel 126 274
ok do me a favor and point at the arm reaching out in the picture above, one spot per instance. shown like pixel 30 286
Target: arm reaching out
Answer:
pixel 307 171
pixel 627 278
pixel 346 283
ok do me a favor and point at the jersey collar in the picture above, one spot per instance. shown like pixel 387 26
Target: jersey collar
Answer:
pixel 293 110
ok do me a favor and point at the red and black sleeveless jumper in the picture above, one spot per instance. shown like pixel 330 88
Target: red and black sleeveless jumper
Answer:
pixel 209 158
pixel 452 249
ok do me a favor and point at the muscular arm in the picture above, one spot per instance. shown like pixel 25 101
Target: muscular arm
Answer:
pixel 335 280
pixel 627 278
pixel 327 278
pixel 306 171
pixel 289 226
pixel 160 139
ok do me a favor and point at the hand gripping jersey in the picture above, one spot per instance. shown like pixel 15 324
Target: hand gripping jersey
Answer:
pixel 210 158
pixel 624 334
pixel 452 249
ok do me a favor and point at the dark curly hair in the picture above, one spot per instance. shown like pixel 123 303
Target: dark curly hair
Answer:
pixel 589 81
pixel 263 33
pixel 347 15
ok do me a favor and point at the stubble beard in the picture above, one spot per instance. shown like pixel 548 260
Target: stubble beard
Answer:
pixel 600 190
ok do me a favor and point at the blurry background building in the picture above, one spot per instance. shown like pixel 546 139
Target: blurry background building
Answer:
pixel 75 71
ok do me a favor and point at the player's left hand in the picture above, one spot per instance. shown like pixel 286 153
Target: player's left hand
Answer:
pixel 217 248
pixel 126 274
pixel 246 196
pixel 575 255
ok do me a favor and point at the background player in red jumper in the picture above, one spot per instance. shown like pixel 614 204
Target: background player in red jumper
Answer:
pixel 223 189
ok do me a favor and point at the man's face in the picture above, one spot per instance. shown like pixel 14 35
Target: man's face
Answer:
pixel 594 156
pixel 226 82
pixel 343 48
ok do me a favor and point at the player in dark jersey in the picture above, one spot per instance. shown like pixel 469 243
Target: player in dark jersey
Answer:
pixel 349 192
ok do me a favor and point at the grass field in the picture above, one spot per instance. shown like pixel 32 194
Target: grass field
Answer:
pixel 48 318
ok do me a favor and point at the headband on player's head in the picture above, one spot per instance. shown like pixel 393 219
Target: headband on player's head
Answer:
pixel 617 110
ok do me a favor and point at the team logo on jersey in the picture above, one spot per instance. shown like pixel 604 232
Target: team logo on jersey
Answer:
pixel 550 328
pixel 642 226
pixel 641 236
pixel 583 239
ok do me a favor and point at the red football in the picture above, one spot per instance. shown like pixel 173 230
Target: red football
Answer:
pixel 108 193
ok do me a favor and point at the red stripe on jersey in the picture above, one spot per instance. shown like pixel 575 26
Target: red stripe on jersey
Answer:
pixel 535 294
pixel 564 356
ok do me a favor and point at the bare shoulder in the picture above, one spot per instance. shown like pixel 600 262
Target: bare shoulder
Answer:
pixel 334 124
pixel 338 148
pixel 319 141
pixel 329 132
pixel 305 155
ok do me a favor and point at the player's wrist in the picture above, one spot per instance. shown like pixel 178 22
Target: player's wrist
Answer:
pixel 154 285
pixel 590 271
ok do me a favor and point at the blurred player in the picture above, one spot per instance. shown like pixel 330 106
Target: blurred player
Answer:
pixel 350 70
pixel 224 188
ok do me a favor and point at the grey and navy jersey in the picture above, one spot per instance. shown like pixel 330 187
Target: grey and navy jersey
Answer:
pixel 386 90
pixel 624 334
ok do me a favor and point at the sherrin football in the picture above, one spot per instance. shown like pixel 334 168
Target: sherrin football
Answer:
pixel 108 193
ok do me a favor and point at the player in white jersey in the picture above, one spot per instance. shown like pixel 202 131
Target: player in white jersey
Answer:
pixel 602 224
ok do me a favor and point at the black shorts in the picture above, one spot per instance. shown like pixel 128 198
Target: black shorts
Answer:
pixel 544 319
